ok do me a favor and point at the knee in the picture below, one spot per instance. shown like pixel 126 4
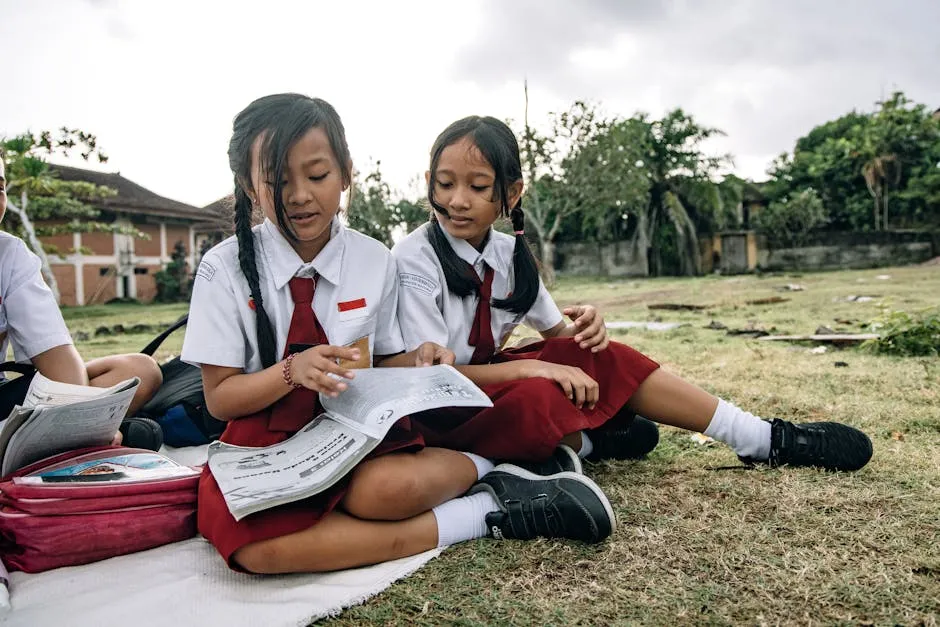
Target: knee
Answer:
pixel 384 489
pixel 147 369
pixel 261 558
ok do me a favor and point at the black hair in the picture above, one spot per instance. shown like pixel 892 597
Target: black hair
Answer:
pixel 496 142
pixel 280 119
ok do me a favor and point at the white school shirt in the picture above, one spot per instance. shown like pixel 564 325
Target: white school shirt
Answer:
pixel 356 296
pixel 30 319
pixel 429 312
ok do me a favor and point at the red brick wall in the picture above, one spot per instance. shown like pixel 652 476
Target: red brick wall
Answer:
pixel 65 277
pixel 62 242
pixel 148 248
pixel 94 281
pixel 146 284
pixel 175 233
pixel 99 243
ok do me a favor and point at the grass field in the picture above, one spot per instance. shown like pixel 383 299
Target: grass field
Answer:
pixel 697 543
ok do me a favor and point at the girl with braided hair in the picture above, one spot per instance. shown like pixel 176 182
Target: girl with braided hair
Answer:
pixel 286 310
pixel 576 394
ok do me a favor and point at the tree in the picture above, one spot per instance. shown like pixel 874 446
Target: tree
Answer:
pixel 683 191
pixel 43 196
pixel 371 210
pixel 174 282
pixel 872 170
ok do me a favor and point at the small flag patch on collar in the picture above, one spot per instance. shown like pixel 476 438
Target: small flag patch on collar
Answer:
pixel 349 305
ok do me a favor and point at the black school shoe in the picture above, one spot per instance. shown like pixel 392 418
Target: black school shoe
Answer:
pixel 828 445
pixel 564 459
pixel 623 438
pixel 140 432
pixel 563 505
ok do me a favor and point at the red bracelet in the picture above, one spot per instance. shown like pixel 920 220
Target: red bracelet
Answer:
pixel 285 372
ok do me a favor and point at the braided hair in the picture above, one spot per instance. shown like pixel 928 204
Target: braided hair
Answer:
pixel 498 145
pixel 280 120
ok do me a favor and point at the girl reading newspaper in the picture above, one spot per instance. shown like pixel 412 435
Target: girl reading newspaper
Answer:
pixel 288 309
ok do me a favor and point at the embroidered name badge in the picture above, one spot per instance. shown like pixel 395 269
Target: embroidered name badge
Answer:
pixel 417 282
pixel 352 309
pixel 206 271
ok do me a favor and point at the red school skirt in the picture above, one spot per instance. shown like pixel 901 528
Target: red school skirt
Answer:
pixel 265 428
pixel 530 417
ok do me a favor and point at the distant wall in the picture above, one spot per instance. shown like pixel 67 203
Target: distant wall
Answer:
pixel 836 251
pixel 743 251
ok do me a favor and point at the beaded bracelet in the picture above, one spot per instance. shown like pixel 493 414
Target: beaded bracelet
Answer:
pixel 285 371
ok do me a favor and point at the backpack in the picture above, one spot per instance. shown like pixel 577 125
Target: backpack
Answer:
pixel 179 405
pixel 13 391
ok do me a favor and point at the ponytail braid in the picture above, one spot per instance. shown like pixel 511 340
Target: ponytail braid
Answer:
pixel 267 344
pixel 525 270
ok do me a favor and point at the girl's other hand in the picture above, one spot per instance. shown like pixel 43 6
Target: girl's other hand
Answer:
pixel 312 367
pixel 589 327
pixel 429 354
pixel 578 386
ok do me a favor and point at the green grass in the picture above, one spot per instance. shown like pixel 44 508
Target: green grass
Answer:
pixel 697 544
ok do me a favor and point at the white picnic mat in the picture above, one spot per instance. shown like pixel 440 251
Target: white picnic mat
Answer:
pixel 187 583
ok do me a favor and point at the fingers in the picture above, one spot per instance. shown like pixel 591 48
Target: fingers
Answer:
pixel 333 353
pixel 592 335
pixel 313 367
pixel 118 438
pixel 425 354
pixel 573 312
pixel 446 356
pixel 603 344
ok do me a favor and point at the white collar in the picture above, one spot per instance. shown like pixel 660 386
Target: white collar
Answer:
pixel 471 255
pixel 285 263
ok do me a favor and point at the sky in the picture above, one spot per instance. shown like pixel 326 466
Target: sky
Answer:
pixel 160 82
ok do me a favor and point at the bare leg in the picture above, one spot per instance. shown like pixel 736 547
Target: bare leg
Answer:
pixel 402 485
pixel 395 493
pixel 340 541
pixel 667 399
pixel 107 371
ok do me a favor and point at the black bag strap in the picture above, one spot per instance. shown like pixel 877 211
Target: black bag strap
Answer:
pixel 12 366
pixel 151 348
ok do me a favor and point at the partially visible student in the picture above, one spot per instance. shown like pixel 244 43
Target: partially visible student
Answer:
pixel 31 323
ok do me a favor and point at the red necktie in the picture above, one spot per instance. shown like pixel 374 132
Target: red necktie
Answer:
pixel 481 333
pixel 300 405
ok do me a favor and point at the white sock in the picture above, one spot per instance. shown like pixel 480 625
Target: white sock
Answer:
pixel 587 447
pixel 483 464
pixel 745 433
pixel 459 520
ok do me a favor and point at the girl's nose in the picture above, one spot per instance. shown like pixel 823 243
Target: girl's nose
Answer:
pixel 299 194
pixel 460 199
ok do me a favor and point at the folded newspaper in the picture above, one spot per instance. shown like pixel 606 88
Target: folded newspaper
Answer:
pixel 323 452
pixel 57 417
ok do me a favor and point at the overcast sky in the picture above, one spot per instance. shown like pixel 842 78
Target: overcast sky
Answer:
pixel 160 81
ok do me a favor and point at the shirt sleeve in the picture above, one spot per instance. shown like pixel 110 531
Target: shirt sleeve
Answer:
pixel 215 332
pixel 34 321
pixel 420 301
pixel 544 313
pixel 388 339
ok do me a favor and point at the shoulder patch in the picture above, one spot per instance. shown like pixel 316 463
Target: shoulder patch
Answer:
pixel 206 270
pixel 417 282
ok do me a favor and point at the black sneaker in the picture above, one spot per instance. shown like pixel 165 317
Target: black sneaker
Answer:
pixel 563 505
pixel 564 459
pixel 828 445
pixel 631 437
pixel 140 432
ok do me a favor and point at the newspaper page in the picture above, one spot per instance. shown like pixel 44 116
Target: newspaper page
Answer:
pixel 33 434
pixel 315 458
pixel 45 391
pixel 312 460
pixel 378 397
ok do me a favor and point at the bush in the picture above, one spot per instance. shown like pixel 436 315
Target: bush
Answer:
pixel 788 222
pixel 906 335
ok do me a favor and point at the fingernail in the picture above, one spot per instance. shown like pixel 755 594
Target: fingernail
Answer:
pixel 355 354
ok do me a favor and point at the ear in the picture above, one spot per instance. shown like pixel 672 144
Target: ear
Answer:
pixel 427 178
pixel 515 193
